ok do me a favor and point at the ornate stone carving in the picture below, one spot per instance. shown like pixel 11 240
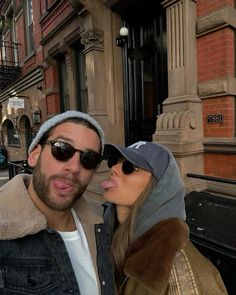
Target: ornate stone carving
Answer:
pixel 78 4
pixel 177 120
pixel 92 39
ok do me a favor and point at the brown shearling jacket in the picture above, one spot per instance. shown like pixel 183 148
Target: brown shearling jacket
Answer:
pixel 164 262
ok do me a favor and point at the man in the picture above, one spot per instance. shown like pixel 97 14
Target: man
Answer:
pixel 51 240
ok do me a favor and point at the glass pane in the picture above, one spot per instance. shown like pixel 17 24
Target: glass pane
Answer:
pixel 29 12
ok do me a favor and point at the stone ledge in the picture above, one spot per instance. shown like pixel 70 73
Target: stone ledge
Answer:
pixel 216 20
pixel 217 145
pixel 217 87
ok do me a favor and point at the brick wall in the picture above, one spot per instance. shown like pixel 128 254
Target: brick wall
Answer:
pixel 53 103
pixel 205 7
pixel 224 106
pixel 216 54
pixel 220 164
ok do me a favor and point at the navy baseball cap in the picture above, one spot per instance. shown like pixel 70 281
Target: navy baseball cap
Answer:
pixel 150 156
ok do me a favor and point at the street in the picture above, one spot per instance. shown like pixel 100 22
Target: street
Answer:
pixel 4 176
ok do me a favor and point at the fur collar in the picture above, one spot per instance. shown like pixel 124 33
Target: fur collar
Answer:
pixel 151 256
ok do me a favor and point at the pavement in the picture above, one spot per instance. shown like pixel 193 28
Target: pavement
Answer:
pixel 4 176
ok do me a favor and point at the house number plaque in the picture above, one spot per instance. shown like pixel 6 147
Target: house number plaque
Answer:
pixel 215 118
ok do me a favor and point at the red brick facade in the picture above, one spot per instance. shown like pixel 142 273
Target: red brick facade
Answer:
pixel 216 61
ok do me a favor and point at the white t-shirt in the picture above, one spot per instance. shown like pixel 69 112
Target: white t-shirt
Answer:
pixel 78 250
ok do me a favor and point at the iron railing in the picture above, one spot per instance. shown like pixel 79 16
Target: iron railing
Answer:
pixel 212 178
pixel 9 63
pixel 16 167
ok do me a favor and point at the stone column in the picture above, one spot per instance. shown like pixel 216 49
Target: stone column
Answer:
pixel 180 126
pixel 92 39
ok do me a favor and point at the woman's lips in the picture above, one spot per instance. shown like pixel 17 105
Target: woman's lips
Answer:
pixel 108 183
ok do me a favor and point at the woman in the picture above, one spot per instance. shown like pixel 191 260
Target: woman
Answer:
pixel 151 248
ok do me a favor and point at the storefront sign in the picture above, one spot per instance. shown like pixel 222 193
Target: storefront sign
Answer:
pixel 16 102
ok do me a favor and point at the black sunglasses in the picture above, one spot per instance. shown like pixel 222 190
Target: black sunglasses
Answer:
pixel 63 151
pixel 127 166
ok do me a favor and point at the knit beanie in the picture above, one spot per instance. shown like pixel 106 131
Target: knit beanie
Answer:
pixel 56 120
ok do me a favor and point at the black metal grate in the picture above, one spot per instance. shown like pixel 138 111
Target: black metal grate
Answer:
pixel 212 223
pixel 9 63
pixel 16 167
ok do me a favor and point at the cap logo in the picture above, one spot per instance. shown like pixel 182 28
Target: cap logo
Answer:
pixel 137 145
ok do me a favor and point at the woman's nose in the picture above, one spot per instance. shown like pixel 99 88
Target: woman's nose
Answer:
pixel 116 169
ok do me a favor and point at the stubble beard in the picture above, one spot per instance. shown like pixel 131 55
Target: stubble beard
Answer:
pixel 41 186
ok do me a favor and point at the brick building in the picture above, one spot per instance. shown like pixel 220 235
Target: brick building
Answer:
pixel 170 80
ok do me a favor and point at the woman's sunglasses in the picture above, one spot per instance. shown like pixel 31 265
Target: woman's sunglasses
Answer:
pixel 127 166
pixel 63 151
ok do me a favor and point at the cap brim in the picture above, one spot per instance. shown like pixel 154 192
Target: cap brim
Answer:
pixel 111 150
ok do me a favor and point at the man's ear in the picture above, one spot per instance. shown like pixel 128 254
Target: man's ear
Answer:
pixel 34 155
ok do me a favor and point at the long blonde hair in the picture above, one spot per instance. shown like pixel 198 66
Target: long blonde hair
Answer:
pixel 124 234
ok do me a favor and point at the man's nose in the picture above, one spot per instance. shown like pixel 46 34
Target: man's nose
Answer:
pixel 73 164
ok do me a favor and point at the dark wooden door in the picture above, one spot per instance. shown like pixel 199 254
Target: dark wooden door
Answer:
pixel 145 64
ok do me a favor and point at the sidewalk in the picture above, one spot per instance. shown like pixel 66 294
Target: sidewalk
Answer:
pixel 4 176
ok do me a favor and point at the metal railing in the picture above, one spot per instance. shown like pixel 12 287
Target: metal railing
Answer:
pixel 9 63
pixel 16 167
pixel 212 178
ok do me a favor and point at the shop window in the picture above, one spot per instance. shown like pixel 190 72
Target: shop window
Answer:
pixel 12 135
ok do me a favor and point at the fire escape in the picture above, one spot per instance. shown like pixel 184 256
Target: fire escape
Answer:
pixel 9 63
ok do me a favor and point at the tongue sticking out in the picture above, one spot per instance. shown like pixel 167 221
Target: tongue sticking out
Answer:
pixel 62 185
pixel 109 183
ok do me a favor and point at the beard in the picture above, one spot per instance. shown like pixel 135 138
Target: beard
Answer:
pixel 41 186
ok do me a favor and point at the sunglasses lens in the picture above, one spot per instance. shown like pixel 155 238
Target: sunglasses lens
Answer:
pixel 111 162
pixel 90 159
pixel 62 151
pixel 127 167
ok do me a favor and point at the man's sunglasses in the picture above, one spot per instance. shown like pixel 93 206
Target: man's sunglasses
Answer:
pixel 127 166
pixel 63 151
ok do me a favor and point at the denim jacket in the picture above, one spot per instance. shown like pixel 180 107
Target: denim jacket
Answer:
pixel 33 257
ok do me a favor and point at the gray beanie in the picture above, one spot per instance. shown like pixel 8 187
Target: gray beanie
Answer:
pixel 56 120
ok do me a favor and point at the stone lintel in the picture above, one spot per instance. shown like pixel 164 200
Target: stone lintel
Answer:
pixel 217 87
pixel 220 145
pixel 216 20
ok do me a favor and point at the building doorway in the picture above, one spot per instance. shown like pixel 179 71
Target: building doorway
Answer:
pixel 145 69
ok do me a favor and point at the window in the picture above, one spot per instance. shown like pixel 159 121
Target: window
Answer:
pixel 63 83
pixel 29 27
pixel 13 47
pixel 80 78
pixel 12 135
pixel 9 45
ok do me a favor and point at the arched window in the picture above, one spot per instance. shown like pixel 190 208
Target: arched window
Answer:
pixel 12 135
